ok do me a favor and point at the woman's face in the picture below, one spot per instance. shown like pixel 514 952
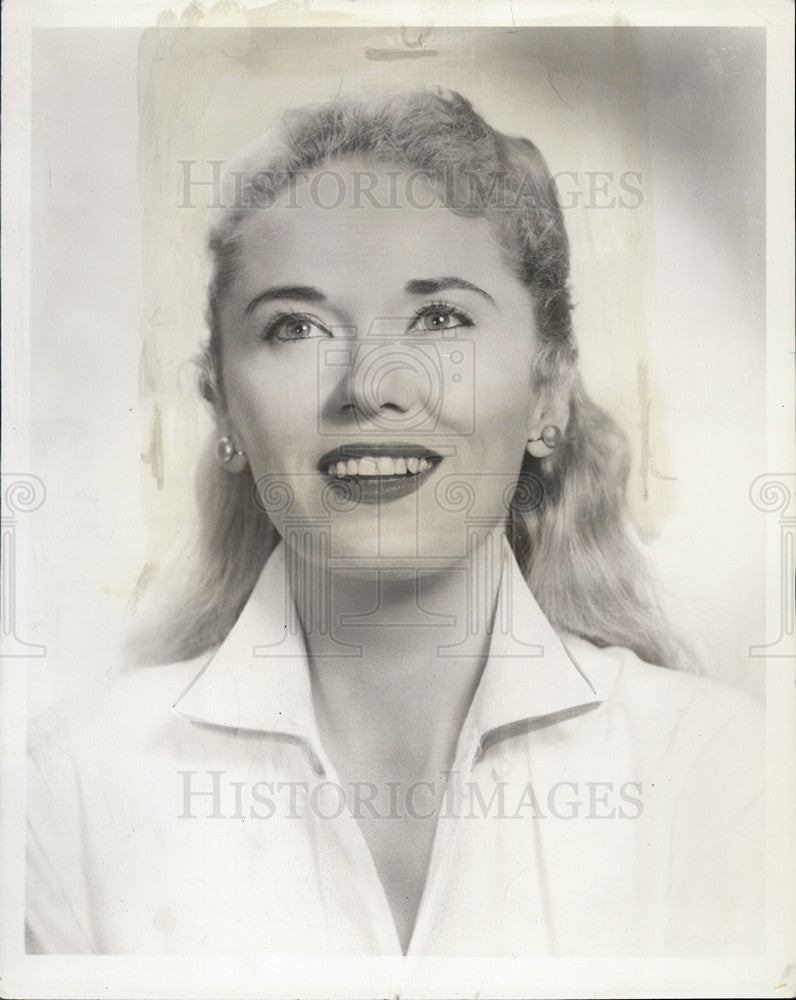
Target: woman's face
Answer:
pixel 377 370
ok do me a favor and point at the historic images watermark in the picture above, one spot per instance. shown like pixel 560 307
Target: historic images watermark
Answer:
pixel 214 794
pixel 775 493
pixel 22 493
pixel 312 562
pixel 210 184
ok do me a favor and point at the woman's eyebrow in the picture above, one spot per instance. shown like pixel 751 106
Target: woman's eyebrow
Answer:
pixel 304 292
pixel 429 286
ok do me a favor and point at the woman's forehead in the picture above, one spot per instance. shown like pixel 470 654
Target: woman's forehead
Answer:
pixel 369 217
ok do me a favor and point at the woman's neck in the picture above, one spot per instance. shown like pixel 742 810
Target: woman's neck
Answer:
pixel 399 647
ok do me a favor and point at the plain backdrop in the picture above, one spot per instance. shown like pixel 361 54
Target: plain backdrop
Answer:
pixel 669 284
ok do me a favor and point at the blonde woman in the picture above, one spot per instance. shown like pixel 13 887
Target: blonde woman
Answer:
pixel 417 697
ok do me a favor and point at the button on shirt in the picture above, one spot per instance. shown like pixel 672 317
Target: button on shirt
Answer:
pixel 596 806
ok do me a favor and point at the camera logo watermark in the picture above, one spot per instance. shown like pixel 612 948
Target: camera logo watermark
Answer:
pixel 428 374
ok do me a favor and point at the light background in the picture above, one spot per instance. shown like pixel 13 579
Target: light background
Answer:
pixel 89 97
pixel 670 293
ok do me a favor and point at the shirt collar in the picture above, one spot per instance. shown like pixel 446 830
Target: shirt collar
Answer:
pixel 258 679
pixel 530 680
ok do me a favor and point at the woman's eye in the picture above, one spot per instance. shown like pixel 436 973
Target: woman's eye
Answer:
pixel 433 318
pixel 294 327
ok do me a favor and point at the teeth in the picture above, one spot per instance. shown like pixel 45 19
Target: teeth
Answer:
pixel 382 465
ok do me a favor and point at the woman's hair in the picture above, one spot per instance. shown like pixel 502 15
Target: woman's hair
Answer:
pixel 568 523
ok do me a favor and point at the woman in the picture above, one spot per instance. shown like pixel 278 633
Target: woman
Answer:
pixel 412 672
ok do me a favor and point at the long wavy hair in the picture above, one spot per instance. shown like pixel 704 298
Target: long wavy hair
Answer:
pixel 568 522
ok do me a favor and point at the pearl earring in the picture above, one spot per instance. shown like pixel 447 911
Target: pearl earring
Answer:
pixel 549 440
pixel 234 461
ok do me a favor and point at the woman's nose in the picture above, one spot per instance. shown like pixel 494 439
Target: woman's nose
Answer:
pixel 385 382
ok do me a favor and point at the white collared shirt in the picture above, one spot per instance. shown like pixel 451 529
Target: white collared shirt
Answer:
pixel 596 806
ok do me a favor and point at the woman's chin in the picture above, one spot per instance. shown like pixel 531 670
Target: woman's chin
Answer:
pixel 401 554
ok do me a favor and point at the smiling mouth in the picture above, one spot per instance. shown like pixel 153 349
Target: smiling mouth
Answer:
pixel 378 473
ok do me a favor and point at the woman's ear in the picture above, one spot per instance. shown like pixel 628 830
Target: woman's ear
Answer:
pixel 547 424
pixel 208 377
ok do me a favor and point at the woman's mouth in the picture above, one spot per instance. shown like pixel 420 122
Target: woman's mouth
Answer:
pixel 379 473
